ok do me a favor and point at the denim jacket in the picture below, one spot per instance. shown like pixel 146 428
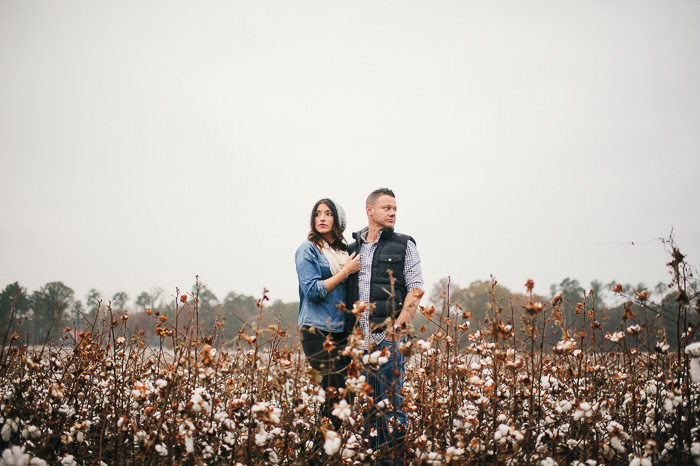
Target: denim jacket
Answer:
pixel 317 307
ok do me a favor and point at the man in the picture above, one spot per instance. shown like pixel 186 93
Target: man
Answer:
pixel 385 256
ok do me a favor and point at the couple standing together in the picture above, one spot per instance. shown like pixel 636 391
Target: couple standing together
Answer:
pixel 330 273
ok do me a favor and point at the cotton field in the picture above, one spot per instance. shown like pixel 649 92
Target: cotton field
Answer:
pixel 499 391
pixel 474 399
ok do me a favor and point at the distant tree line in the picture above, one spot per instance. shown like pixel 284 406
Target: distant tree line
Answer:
pixel 53 312
pixel 608 311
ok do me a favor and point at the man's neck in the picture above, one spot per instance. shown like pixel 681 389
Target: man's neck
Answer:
pixel 373 233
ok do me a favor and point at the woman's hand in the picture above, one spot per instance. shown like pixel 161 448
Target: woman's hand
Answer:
pixel 352 264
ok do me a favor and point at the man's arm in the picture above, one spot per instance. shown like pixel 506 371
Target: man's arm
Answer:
pixel 410 304
pixel 414 283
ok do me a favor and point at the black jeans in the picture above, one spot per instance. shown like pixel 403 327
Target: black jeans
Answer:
pixel 330 364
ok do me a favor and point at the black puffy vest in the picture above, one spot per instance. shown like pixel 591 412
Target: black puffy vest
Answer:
pixel 389 256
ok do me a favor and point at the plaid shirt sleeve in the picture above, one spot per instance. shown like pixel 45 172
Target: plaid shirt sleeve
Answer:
pixel 412 271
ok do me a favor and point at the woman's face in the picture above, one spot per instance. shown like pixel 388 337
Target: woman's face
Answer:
pixel 324 220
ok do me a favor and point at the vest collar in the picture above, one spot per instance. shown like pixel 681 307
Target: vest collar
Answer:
pixel 384 235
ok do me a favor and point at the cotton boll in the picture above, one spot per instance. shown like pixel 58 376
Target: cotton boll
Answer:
pixel 68 460
pixel 261 438
pixel 31 432
pixel 383 404
pixel 616 443
pixel 454 453
pixel 584 409
pixel 9 427
pixel 695 451
pixel 545 382
pixel 423 345
pixel 6 432
pixel 161 449
pixel 517 435
pixel 693 349
pixel 275 415
pixel 272 457
pixel 332 444
pixel 668 405
pixel 695 370
pixel 320 397
pixel 14 456
pixel 375 358
pixel 434 458
pixel 342 410
pixel 351 447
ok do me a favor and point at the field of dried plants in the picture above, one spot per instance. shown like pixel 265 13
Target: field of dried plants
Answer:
pixel 501 391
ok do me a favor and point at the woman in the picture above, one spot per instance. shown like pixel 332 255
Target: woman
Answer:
pixel 322 265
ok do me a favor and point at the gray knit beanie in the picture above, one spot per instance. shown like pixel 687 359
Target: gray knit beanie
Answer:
pixel 342 221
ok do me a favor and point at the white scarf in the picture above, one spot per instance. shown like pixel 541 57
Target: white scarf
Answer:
pixel 336 259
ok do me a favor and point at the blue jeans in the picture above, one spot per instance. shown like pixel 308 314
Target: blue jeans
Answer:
pixel 390 421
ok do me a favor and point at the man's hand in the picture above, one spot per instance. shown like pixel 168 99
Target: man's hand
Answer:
pixel 410 305
pixel 395 332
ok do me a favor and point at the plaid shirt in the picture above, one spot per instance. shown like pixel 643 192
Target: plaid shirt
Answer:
pixel 411 271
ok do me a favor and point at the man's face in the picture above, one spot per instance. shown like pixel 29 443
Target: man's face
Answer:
pixel 383 212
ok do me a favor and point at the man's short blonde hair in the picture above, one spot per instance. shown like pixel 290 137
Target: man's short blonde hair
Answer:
pixel 374 195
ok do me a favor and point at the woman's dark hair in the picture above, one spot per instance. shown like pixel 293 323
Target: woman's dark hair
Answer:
pixel 316 238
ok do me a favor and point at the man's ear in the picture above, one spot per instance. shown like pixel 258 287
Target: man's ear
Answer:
pixel 368 209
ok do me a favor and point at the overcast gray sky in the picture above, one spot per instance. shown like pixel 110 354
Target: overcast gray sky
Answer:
pixel 145 142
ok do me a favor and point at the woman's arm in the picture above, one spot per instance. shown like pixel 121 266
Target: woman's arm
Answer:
pixel 312 285
pixel 309 272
